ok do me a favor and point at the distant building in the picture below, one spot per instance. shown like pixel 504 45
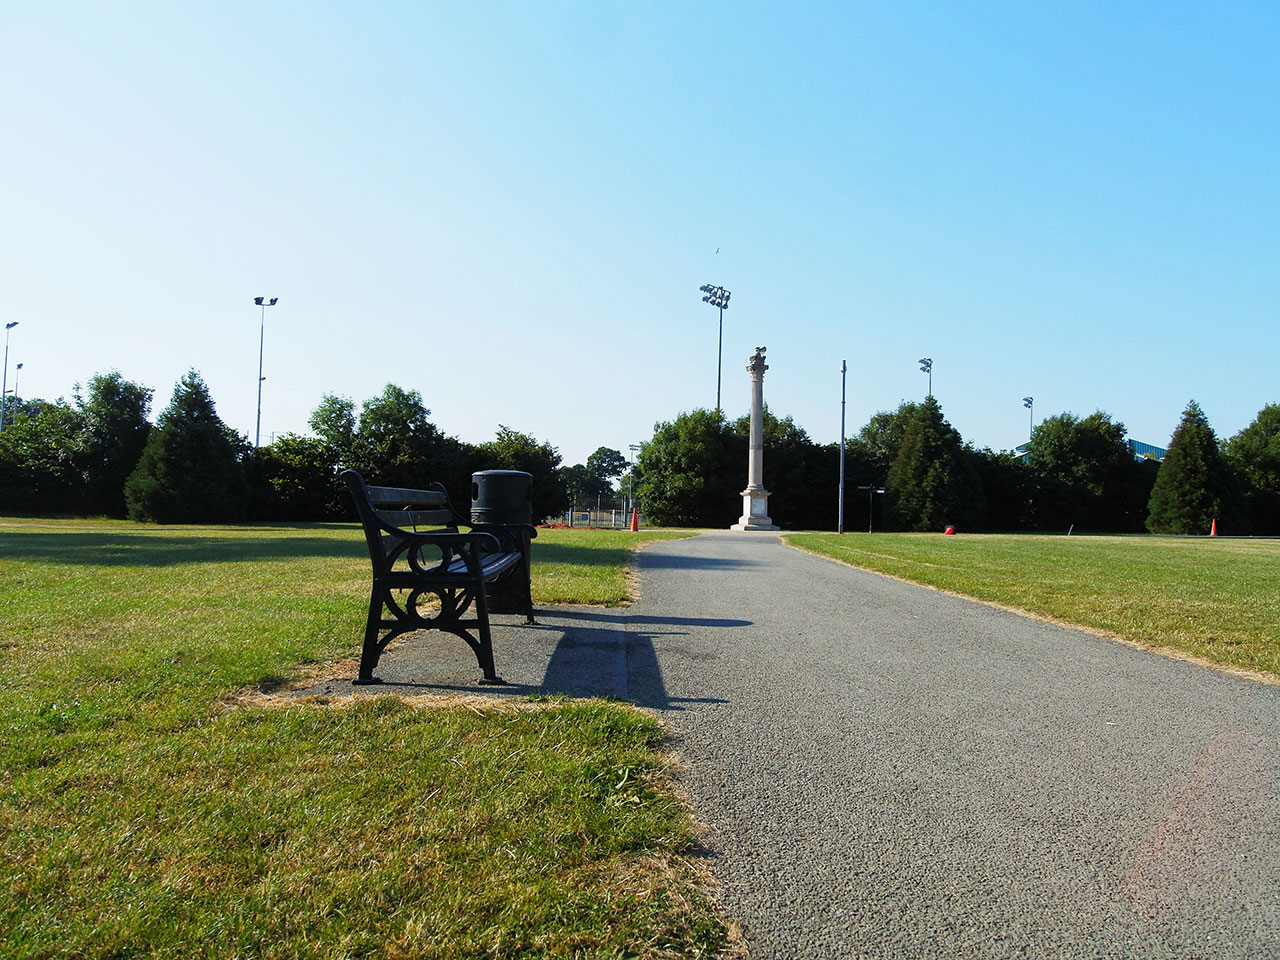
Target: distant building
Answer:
pixel 1140 450
pixel 1145 451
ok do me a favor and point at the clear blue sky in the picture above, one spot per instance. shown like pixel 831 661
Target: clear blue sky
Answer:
pixel 510 208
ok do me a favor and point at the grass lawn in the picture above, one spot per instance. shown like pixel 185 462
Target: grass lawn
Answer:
pixel 1218 599
pixel 145 812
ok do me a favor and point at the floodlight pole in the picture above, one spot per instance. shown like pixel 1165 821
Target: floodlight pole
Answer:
pixel 926 366
pixel 631 476
pixel 263 302
pixel 1030 404
pixel 4 381
pixel 840 517
pixel 718 297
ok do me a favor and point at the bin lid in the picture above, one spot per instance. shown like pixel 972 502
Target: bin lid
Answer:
pixel 503 473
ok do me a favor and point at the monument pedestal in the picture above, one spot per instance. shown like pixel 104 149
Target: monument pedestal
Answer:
pixel 755 511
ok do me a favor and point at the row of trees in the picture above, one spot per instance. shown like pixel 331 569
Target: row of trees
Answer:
pixel 99 454
pixel 1080 472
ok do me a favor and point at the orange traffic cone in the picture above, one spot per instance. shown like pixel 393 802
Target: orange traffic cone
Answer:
pixel 635 520
pixel 1213 528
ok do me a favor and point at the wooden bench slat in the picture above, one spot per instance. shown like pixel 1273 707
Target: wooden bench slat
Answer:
pixel 408 519
pixel 404 495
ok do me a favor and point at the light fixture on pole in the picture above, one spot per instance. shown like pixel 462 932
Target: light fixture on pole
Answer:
pixel 4 381
pixel 263 302
pixel 926 366
pixel 718 297
pixel 1030 404
pixel 840 518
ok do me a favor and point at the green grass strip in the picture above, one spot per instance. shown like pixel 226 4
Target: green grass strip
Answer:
pixel 1218 599
pixel 144 812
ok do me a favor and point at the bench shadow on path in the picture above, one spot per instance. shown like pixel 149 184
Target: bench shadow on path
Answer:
pixel 599 653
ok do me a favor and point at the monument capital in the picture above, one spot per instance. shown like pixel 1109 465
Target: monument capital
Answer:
pixel 755 364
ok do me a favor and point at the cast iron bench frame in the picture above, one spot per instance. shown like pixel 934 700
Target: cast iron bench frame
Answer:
pixel 410 565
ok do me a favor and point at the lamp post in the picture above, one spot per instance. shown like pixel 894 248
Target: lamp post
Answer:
pixel 926 366
pixel 718 297
pixel 4 381
pixel 840 518
pixel 631 476
pixel 1030 404
pixel 14 392
pixel 263 302
pixel 872 490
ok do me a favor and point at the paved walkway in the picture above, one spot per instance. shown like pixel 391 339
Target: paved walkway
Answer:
pixel 892 772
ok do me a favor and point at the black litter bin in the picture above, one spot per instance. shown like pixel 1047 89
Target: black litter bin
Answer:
pixel 502 496
pixel 499 498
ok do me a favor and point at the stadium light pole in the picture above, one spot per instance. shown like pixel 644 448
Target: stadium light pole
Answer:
pixel 263 302
pixel 926 366
pixel 4 382
pixel 631 477
pixel 14 392
pixel 718 297
pixel 840 518
pixel 1030 404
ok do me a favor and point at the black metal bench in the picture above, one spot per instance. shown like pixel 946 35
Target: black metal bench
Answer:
pixel 430 579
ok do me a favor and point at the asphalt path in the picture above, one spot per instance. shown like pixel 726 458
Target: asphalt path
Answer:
pixel 889 771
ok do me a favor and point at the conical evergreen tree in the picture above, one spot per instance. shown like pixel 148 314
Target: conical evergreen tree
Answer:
pixel 1194 486
pixel 189 471
pixel 932 481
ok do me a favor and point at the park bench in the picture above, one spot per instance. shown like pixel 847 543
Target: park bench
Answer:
pixel 430 579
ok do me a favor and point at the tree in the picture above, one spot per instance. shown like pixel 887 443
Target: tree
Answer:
pixel 1255 454
pixel 42 461
pixel 877 443
pixel 1194 486
pixel 932 482
pixel 297 480
pixel 334 422
pixel 1006 483
pixel 1085 475
pixel 116 431
pixel 690 472
pixel 190 469
pixel 512 450
pixel 602 467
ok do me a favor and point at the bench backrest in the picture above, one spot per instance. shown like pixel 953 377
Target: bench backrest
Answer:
pixel 386 511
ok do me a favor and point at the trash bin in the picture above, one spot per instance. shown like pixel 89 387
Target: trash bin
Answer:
pixel 500 497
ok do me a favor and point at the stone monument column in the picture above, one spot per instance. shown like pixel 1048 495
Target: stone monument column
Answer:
pixel 755 499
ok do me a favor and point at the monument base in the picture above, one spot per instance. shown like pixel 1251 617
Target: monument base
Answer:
pixel 755 511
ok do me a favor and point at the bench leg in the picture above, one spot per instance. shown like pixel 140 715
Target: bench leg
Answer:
pixel 484 652
pixel 370 652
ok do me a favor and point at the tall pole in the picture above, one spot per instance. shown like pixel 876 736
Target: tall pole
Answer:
pixel 263 302
pixel 718 297
pixel 631 477
pixel 719 357
pixel 4 382
pixel 1030 404
pixel 840 518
